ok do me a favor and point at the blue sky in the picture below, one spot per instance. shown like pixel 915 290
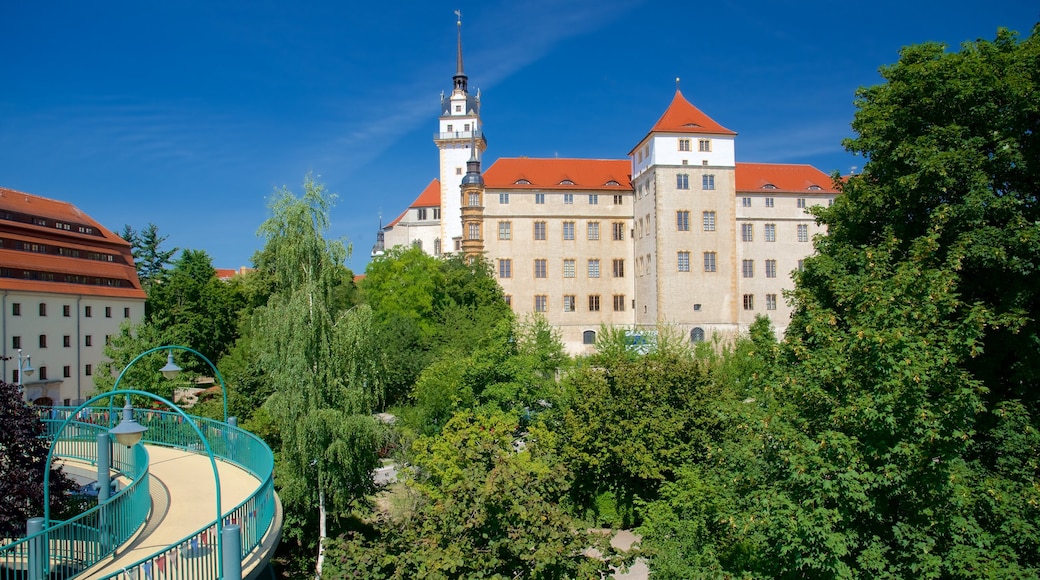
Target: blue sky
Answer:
pixel 189 114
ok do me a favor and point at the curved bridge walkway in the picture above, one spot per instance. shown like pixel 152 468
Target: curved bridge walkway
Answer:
pixel 183 501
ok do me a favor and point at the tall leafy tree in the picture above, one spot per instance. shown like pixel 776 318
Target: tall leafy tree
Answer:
pixel 314 356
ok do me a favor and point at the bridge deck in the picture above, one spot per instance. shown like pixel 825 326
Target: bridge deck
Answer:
pixel 183 501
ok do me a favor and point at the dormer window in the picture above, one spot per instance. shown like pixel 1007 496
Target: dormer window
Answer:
pixel 521 181
pixel 769 186
pixel 612 182
pixel 814 188
pixel 566 182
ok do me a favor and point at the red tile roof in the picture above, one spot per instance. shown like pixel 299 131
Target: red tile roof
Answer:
pixel 683 117
pixel 430 197
pixel 552 173
pixel 784 176
pixel 54 212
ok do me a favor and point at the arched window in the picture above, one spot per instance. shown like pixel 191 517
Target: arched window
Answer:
pixel 589 337
pixel 417 243
pixel 697 335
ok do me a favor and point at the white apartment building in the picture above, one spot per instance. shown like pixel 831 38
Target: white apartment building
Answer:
pixel 66 285
pixel 677 234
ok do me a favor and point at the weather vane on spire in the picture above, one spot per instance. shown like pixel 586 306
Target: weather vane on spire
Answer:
pixel 676 83
pixel 459 14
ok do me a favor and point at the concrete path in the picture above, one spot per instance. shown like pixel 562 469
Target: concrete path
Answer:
pixel 183 501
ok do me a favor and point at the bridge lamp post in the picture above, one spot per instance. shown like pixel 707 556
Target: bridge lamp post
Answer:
pixel 23 369
pixel 129 432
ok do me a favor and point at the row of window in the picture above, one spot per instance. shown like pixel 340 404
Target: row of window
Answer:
pixel 61 277
pixel 541 228
pixel 570 304
pixel 541 268
pixel 568 198
pixel 682 181
pixel 749 302
pixel 747 232
pixel 41 221
pixel 769 201
pixel 56 250
pixel 66 310
pixel 88 340
pixel 421 213
pixel 703 145
pixel 41 373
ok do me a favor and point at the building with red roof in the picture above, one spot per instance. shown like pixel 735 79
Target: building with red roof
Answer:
pixel 66 285
pixel 677 234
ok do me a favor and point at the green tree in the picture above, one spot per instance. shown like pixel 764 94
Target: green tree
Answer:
pixel 311 353
pixel 632 421
pixel 192 307
pixel 894 447
pixel 149 256
pixel 487 506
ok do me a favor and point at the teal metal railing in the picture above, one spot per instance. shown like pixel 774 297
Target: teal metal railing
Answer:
pixel 195 555
pixel 78 543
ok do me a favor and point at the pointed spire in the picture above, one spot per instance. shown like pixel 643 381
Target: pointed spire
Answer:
pixel 473 165
pixel 460 78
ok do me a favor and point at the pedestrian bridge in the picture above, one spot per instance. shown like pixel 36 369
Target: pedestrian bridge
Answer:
pixel 163 522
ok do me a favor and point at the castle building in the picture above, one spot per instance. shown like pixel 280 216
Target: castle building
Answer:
pixel 66 286
pixel 678 233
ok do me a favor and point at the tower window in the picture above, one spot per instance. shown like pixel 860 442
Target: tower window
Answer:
pixel 539 198
pixel 43 309
pixel 568 303
pixel 682 221
pixel 748 268
pixel 619 268
pixel 539 230
pixel 704 145
pixel 503 198
pixel 540 269
pixel 593 231
pixel 619 303
pixel 707 182
pixel 709 261
pixel 682 181
pixel 568 268
pixel 709 221
pixel 684 144
pixel 594 268
pixel 593 302
pixel 617 230
pixel 474 231
pixel 684 262
pixel 747 232
pixel 568 230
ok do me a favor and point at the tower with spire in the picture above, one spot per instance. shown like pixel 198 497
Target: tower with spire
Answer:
pixel 460 137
